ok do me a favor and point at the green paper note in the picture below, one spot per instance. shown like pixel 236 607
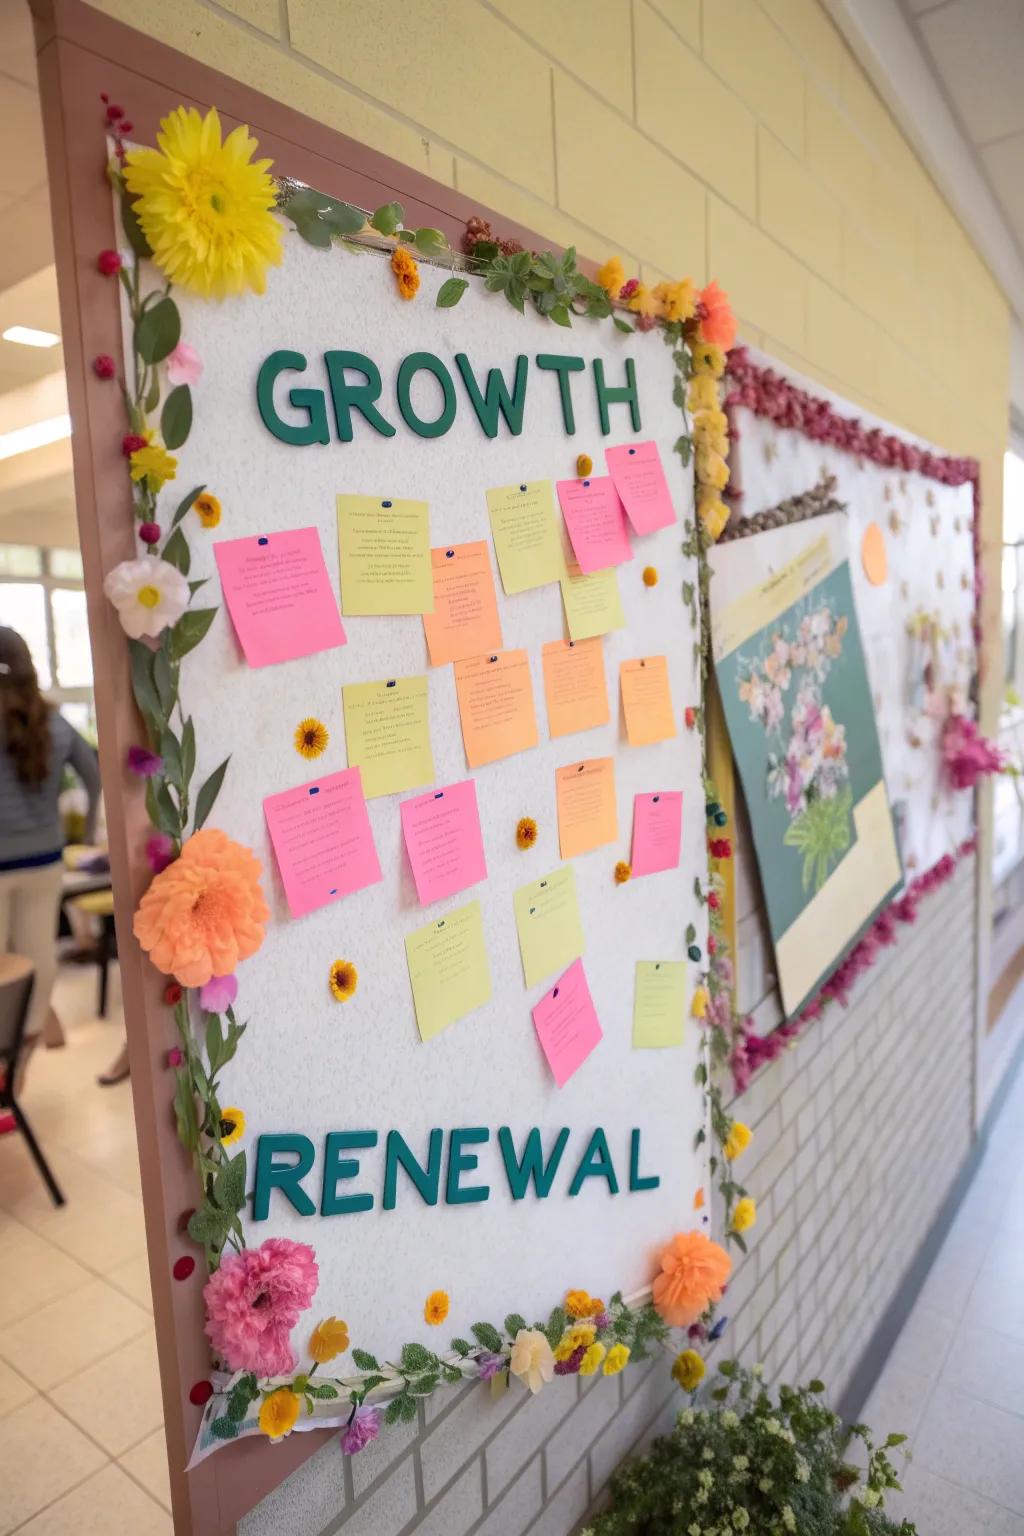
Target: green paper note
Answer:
pixel 387 731
pixel 448 968
pixel 384 553
pixel 548 924
pixel 659 1003
pixel 525 535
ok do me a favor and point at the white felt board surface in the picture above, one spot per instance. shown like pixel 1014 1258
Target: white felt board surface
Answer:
pixel 311 1065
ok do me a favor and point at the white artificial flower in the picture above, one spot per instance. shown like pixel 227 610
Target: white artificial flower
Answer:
pixel 148 593
pixel 532 1359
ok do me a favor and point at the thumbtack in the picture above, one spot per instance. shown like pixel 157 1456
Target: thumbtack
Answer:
pixel 522 487
pixel 315 789
pixel 586 484
pixel 492 658
pixel 632 450
pixel 390 684
pixel 449 554
pixel 441 923
pixel 385 503
pixel 543 885
pixel 439 795
pixel 555 992
pixel 655 798
pixel 263 539
pixel 580 768
pixel 333 891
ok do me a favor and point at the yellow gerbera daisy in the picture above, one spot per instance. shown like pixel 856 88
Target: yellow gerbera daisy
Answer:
pixel 311 737
pixel 232 1126
pixel 208 508
pixel 435 1308
pixel 205 206
pixel 154 465
pixel 278 1413
pixel 344 980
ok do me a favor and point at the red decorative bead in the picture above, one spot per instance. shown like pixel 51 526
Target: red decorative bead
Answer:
pixel 201 1393
pixel 172 994
pixel 713 901
pixel 175 1056
pixel 690 717
pixel 712 944
pixel 104 366
pixel 109 262
pixel 131 443
pixel 125 126
pixel 183 1267
pixel 114 112
pixel 149 533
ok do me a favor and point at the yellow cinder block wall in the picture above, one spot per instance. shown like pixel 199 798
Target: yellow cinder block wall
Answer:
pixel 736 139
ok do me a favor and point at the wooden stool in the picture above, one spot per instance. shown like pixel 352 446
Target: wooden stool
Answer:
pixel 101 904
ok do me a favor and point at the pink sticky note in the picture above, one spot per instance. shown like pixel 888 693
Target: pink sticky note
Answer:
pixel 567 1025
pixel 657 831
pixel 279 595
pixel 322 840
pixel 640 481
pixel 442 834
pixel 596 522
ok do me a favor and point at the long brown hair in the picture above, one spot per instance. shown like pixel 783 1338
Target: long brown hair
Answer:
pixel 24 713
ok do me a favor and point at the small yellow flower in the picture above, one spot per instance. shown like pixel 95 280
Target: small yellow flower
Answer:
pixel 344 980
pixel 623 872
pixel 737 1141
pixel 232 1126
pixel 329 1338
pixel 278 1413
pixel 744 1214
pixel 703 393
pixel 208 508
pixel 707 358
pixel 154 465
pixel 435 1308
pixel 688 1370
pixel 563 1349
pixel 311 737
pixel 711 431
pixel 612 276
pixel 582 1336
pixel 714 514
pixel 592 1359
pixel 526 832
pixel 650 576
pixel 699 1006
pixel 615 1360
pixel 678 300
pixel 711 468
pixel 584 464
pixel 577 1303
pixel 407 273
pixel 646 303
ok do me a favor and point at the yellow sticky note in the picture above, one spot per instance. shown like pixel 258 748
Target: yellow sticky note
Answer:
pixel 587 817
pixel 496 708
pixel 647 700
pixel 384 551
pixel 525 535
pixel 387 731
pixel 593 605
pixel 448 968
pixel 574 685
pixel 659 1003
pixel 548 924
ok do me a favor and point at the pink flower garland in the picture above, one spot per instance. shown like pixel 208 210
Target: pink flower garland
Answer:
pixel 769 395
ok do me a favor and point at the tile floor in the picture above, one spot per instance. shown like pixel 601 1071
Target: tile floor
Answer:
pixel 954 1381
pixel 81 1437
pixel 81 1443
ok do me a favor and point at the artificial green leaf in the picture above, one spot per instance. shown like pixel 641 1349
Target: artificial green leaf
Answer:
pixel 224 1429
pixel 430 242
pixel 176 417
pixel 387 219
pixel 450 292
pixel 407 1405
pixel 158 331
pixel 208 794
pixel 691 933
pixel 486 251
pixel 342 218
pixel 688 593
pixel 176 552
pixel 451 1373
pixel 560 315
pixel 415 1358
pixel 160 808
pixel 623 325
pixel 394 1411
pixel 487 1335
pixel 185 505
pixel 322 1390
pixel 163 678
pixel 555 1326
pixel 370 1382
pixel 189 630
pixel 513 1323
pixel 816 1386
pixel 364 1361
pixel 185 1113
pixel 170 751
pixel 152 399
pixel 312 229
pixel 131 226
pixel 143 685
pixel 684 448
pixel 424 1385
pixel 890 1440
pixel 461 1347
pixel 194 586
pixel 188 751
pixel 229 1185
pixel 214 1044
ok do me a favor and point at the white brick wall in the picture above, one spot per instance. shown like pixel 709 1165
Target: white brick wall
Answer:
pixel 860 1130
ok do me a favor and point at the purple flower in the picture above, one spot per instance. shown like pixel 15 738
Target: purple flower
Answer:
pixel 218 993
pixel 489 1365
pixel 602 1320
pixel 718 1329
pixel 159 851
pixel 571 1366
pixel 363 1426
pixel 144 763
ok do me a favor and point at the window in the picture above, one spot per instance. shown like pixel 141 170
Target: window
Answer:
pixel 1013 571
pixel 42 596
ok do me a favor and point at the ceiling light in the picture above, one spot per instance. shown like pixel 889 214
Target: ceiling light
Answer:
pixel 27 337
pixel 24 439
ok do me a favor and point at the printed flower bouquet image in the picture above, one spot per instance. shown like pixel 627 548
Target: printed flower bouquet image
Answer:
pixel 807 768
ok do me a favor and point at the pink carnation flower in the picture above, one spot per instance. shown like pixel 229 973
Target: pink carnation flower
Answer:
pixel 966 756
pixel 253 1302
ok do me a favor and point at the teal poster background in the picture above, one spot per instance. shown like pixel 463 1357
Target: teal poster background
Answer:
pixel 801 722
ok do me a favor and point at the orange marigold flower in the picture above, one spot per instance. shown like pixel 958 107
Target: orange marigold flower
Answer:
pixel 578 1303
pixel 611 276
pixel 717 321
pixel 650 576
pixel 407 273
pixel 693 1271
pixel 204 913
pixel 526 832
pixel 622 872
pixel 435 1308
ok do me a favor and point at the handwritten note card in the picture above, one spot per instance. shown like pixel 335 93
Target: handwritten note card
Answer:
pixel 593 605
pixel 659 1003
pixel 525 535
pixel 566 1023
pixel 279 595
pixel 596 522
pixel 465 619
pixel 640 481
pixel 387 730
pixel 657 831
pixel 448 968
pixel 442 835
pixel 587 816
pixel 548 924
pixel 322 840
pixel 384 551
pixel 574 685
pixel 647 700
pixel 496 706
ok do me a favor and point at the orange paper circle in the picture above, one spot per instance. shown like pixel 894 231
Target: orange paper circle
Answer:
pixel 873 555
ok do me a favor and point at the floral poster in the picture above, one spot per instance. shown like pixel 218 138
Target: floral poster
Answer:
pixel 798 705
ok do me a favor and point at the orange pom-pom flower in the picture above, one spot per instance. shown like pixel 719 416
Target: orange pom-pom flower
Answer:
pixel 717 321
pixel 693 1271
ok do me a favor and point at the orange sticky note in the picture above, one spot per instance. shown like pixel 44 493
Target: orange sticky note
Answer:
pixel 465 619
pixel 495 706
pixel 587 817
pixel 574 685
pixel 647 700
